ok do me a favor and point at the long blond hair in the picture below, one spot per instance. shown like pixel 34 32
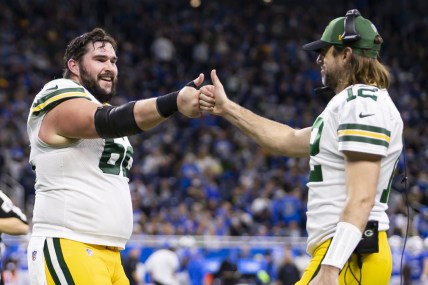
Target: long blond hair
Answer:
pixel 365 70
pixel 368 71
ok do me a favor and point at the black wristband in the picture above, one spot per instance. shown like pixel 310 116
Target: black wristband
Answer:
pixel 167 104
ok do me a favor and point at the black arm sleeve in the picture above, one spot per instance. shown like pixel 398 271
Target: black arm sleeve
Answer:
pixel 116 122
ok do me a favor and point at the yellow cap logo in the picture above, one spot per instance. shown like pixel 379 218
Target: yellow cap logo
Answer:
pixel 339 37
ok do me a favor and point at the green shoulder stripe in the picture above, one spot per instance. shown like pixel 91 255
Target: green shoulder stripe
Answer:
pixel 50 101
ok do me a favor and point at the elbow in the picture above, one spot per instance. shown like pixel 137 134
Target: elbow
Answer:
pixel 366 208
pixel 362 207
pixel 366 201
pixel 367 204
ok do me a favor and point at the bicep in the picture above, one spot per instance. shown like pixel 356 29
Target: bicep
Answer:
pixel 71 119
pixel 361 175
pixel 362 171
pixel 294 142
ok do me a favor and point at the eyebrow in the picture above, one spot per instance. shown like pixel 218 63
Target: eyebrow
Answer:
pixel 103 56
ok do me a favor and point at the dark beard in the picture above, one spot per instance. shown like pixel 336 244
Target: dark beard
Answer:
pixel 93 87
pixel 331 80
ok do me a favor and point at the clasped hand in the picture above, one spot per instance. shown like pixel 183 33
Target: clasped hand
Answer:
pixel 211 98
pixel 188 98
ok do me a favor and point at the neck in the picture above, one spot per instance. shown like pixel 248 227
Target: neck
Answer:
pixel 75 79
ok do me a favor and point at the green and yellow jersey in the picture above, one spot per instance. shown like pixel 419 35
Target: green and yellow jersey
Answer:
pixel 363 119
pixel 82 190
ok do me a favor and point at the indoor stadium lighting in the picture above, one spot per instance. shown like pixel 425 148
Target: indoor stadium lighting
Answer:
pixel 195 3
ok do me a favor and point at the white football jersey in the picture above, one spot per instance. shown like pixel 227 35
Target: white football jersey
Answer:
pixel 82 190
pixel 361 118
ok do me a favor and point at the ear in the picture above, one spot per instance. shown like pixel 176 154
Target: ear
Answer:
pixel 73 66
pixel 347 53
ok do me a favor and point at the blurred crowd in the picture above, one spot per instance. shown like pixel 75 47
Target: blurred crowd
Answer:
pixel 202 176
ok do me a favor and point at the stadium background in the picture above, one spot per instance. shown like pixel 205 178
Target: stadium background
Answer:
pixel 201 177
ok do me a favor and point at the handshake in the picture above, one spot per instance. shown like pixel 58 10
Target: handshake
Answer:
pixel 193 98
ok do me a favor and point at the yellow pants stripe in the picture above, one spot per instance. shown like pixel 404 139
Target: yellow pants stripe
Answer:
pixel 69 262
pixel 55 263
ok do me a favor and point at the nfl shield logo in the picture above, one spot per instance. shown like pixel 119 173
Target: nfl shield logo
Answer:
pixel 89 252
pixel 34 255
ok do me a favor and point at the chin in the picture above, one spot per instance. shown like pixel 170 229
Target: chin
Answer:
pixel 106 87
pixel 107 90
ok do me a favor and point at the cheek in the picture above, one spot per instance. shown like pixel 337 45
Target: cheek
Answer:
pixel 331 64
pixel 93 70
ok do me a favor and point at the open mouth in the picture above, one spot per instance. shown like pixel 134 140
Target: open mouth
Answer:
pixel 106 78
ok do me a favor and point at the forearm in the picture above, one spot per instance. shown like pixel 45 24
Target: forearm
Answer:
pixel 357 212
pixel 150 112
pixel 146 114
pixel 359 203
pixel 13 226
pixel 275 137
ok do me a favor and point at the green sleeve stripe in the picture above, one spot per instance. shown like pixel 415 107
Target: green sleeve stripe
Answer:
pixel 51 105
pixel 364 128
pixel 45 100
pixel 59 92
pixel 364 140
pixel 49 102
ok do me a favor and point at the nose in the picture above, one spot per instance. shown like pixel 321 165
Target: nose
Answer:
pixel 110 67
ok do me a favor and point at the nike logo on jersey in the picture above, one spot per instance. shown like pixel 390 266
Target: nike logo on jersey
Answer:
pixel 364 115
pixel 52 88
